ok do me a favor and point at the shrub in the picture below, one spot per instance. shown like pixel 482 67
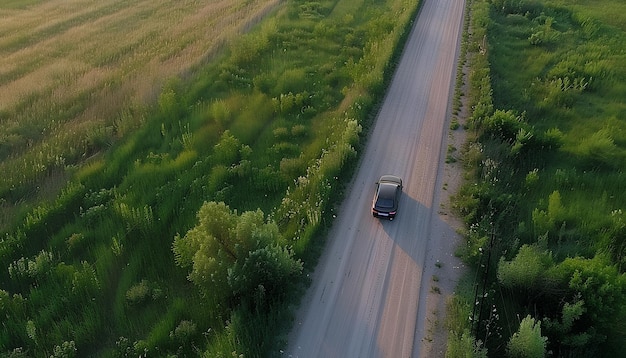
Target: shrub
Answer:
pixel 553 217
pixel 85 281
pixel 138 293
pixel 220 112
pixel 248 47
pixel 464 346
pixel 184 332
pixel 531 178
pixel 226 152
pixel 66 350
pixel 299 130
pixel 527 271
pixel 527 342
pixel 280 133
pixel 599 150
pixel 292 167
pixel 292 81
pixel 504 124
pixel 265 275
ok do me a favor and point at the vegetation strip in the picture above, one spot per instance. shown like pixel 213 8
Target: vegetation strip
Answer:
pixel 544 199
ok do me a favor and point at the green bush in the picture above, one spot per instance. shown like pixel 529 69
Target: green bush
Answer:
pixel 527 342
pixel 264 276
pixel 464 346
pixel 67 349
pixel 600 151
pixel 237 256
pixel 138 293
pixel 528 271
pixel 220 112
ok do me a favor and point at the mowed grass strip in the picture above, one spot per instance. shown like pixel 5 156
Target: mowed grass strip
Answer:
pixel 70 72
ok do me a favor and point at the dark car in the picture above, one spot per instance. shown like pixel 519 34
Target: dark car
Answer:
pixel 385 203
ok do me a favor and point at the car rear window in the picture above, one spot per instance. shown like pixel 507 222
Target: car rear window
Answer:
pixel 384 203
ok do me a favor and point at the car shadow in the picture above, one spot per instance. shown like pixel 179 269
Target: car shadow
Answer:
pixel 429 240
pixel 415 228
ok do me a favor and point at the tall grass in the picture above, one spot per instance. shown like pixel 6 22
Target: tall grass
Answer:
pixel 70 70
pixel 546 172
pixel 271 124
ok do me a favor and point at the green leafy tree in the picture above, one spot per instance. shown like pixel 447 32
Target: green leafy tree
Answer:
pixel 207 248
pixel 562 329
pixel 264 274
pixel 236 256
pixel 597 294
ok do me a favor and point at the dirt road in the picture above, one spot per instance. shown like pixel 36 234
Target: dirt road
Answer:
pixel 372 293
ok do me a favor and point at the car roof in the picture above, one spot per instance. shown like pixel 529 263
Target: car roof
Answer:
pixel 387 190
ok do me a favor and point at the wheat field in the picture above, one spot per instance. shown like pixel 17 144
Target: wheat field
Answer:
pixel 74 72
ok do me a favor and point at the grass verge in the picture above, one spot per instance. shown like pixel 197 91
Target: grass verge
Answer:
pixel 544 201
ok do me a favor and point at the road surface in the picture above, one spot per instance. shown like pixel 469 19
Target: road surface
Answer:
pixel 371 287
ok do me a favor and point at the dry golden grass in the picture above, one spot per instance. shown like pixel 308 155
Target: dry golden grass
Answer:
pixel 69 66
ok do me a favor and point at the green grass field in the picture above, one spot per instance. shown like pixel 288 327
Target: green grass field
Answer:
pixel 147 117
pixel 76 76
pixel 545 203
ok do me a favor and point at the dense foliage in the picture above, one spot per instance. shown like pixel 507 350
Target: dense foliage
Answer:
pixel 145 252
pixel 544 205
pixel 237 255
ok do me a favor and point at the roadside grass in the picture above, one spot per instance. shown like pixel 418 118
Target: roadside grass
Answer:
pixel 545 173
pixel 274 123
pixel 586 113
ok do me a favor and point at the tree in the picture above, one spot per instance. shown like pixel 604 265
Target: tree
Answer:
pixel 264 275
pixel 527 342
pixel 603 290
pixel 207 248
pixel 592 301
pixel 236 256
pixel 561 330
